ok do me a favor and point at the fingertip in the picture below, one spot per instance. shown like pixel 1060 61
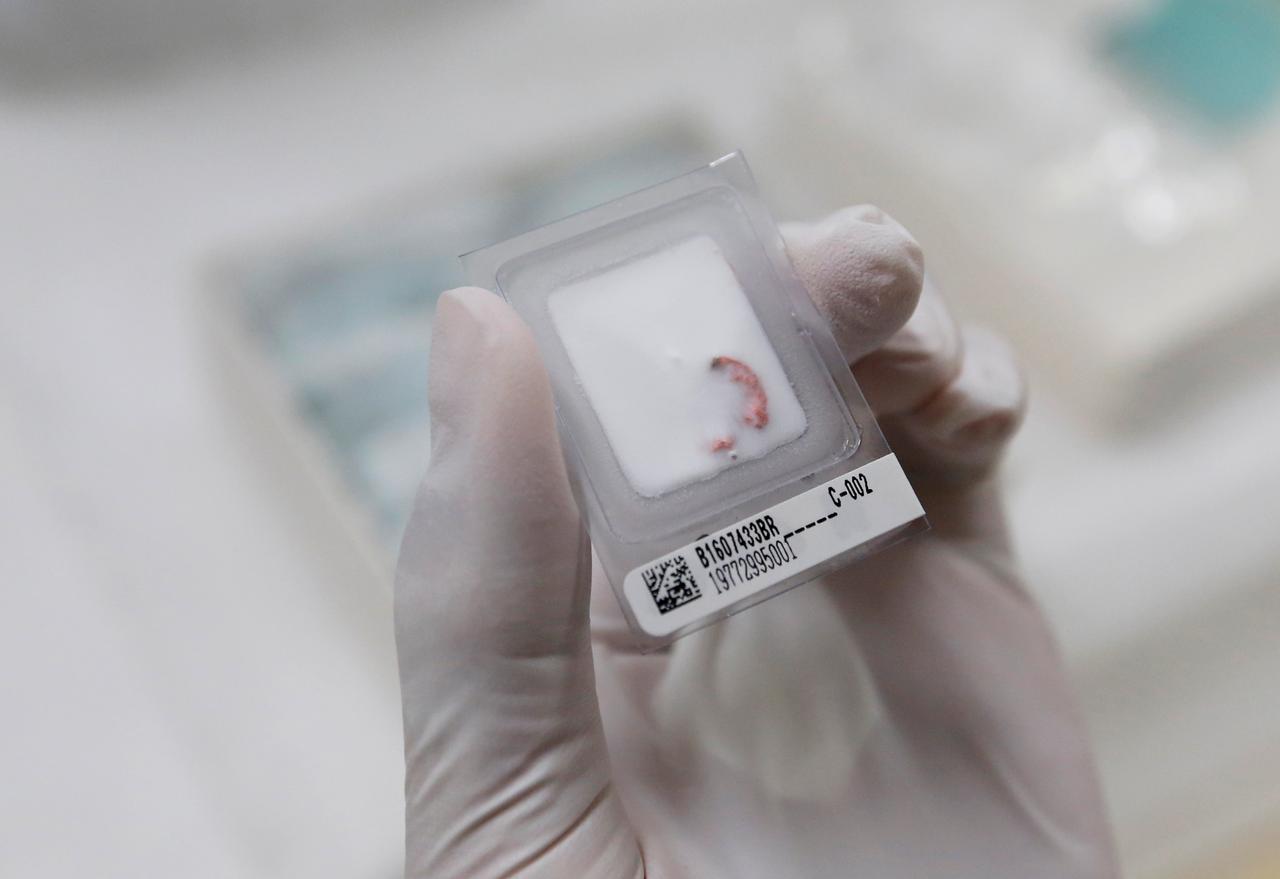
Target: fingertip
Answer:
pixel 966 427
pixel 467 316
pixel 864 271
pixel 917 362
pixel 475 335
pixel 993 376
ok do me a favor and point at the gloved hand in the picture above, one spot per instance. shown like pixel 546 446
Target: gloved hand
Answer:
pixel 905 717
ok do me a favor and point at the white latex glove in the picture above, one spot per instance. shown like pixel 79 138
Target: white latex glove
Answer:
pixel 905 717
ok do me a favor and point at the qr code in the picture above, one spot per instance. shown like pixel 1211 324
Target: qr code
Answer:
pixel 671 583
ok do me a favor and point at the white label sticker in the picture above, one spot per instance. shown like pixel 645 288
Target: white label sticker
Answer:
pixel 773 545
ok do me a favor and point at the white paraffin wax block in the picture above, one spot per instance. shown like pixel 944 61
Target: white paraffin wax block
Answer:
pixel 676 366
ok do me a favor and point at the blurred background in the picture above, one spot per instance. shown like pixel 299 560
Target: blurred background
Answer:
pixel 224 224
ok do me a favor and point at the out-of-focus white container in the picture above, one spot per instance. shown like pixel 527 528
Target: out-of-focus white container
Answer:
pixel 46 43
pixel 1133 252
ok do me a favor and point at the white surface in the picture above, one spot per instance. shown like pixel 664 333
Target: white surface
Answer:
pixel 642 338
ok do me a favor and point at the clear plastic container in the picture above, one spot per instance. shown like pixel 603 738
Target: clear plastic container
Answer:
pixel 720 449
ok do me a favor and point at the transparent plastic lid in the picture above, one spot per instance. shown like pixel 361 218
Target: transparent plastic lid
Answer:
pixel 696 383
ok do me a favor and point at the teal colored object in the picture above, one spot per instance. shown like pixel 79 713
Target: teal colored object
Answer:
pixel 325 315
pixel 1219 59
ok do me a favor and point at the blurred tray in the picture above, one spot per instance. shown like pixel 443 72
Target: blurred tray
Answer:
pixel 326 337
pixel 1127 248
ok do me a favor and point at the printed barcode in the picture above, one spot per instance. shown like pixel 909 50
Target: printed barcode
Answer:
pixel 671 583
